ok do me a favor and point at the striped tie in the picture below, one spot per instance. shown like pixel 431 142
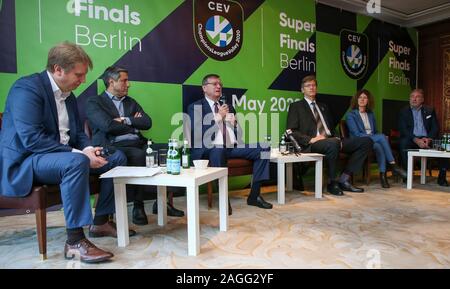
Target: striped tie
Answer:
pixel 320 127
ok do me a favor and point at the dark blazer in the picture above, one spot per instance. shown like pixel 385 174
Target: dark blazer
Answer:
pixel 101 112
pixel 30 126
pixel 201 116
pixel 355 123
pixel 406 122
pixel 302 123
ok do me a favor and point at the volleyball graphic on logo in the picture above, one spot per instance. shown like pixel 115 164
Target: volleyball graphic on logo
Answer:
pixel 354 57
pixel 219 31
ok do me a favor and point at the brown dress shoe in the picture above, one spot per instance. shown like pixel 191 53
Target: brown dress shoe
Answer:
pixel 108 229
pixel 86 251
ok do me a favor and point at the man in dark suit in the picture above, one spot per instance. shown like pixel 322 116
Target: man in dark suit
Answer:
pixel 42 140
pixel 313 128
pixel 418 126
pixel 116 120
pixel 214 136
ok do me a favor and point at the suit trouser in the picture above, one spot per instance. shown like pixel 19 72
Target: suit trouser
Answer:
pixel 406 144
pixel 357 148
pixel 71 172
pixel 135 157
pixel 218 157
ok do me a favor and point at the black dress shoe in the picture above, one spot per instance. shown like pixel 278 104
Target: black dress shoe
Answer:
pixel 171 210
pixel 398 171
pixel 259 202
pixel 383 181
pixel 139 215
pixel 334 189
pixel 442 182
pixel 346 186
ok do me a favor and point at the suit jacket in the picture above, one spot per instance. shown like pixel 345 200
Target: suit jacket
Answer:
pixel 303 124
pixel 30 126
pixel 406 122
pixel 202 123
pixel 355 123
pixel 101 111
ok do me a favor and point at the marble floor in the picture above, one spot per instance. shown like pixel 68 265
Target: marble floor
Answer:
pixel 392 228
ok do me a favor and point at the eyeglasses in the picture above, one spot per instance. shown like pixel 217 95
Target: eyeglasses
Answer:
pixel 310 85
pixel 215 83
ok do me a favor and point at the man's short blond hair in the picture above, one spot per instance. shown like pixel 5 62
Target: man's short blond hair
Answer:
pixel 418 90
pixel 67 55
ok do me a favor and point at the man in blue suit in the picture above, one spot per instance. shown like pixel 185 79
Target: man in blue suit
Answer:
pixel 214 136
pixel 42 141
pixel 418 126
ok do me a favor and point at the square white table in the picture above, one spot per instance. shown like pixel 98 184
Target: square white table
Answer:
pixel 284 165
pixel 423 154
pixel 191 179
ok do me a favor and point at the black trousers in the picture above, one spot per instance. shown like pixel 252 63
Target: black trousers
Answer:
pixel 357 148
pixel 135 152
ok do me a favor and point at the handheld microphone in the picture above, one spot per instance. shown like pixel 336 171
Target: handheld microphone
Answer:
pixel 223 99
pixel 289 135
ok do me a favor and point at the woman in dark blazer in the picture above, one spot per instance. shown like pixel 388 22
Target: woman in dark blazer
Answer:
pixel 361 122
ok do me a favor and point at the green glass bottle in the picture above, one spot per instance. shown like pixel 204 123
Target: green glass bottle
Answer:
pixel 176 158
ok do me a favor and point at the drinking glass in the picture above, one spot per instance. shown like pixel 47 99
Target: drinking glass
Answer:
pixel 437 144
pixel 162 157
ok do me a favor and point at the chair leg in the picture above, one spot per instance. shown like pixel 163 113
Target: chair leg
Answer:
pixel 41 231
pixel 368 172
pixel 170 198
pixel 210 192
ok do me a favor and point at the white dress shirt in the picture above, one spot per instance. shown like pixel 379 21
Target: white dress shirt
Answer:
pixel 309 101
pixel 230 131
pixel 63 116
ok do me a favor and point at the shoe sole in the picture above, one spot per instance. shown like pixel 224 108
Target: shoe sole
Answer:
pixel 170 215
pixel 103 259
pixel 140 223
pixel 267 208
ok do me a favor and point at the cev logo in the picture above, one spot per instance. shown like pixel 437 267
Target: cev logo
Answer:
pixel 220 7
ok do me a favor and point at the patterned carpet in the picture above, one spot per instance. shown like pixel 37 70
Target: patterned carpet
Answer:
pixel 391 228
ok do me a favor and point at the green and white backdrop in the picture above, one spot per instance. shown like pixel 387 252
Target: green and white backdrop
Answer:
pixel 260 48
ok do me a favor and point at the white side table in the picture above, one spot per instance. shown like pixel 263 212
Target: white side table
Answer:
pixel 423 154
pixel 284 165
pixel 189 178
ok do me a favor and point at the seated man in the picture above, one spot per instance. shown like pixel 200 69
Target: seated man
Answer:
pixel 418 125
pixel 311 125
pixel 43 141
pixel 116 120
pixel 214 137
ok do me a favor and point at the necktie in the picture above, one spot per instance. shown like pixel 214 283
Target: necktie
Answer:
pixel 320 127
pixel 225 139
